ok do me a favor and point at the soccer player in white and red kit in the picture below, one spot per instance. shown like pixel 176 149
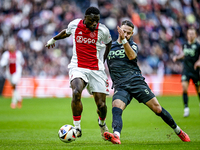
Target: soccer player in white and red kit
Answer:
pixel 13 61
pixel 91 45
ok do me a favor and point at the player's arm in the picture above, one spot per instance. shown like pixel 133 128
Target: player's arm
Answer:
pixel 197 63
pixel 131 54
pixel 60 35
pixel 108 46
pixel 4 59
pixel 178 57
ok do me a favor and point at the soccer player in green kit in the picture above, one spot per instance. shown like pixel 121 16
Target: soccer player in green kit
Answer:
pixel 191 63
pixel 129 83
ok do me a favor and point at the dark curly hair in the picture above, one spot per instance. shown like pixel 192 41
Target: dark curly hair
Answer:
pixel 92 10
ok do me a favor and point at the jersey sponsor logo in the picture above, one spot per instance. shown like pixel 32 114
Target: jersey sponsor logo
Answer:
pixel 189 52
pixel 81 39
pixel 117 54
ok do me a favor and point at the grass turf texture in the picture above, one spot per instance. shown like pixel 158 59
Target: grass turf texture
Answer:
pixel 36 125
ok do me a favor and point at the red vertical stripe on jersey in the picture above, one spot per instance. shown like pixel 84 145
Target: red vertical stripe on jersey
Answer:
pixel 86 47
pixel 12 62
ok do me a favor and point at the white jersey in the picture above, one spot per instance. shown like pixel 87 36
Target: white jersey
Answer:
pixel 88 46
pixel 13 62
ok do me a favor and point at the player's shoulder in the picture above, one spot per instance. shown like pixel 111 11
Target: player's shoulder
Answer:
pixel 75 22
pixel 198 43
pixel 18 52
pixel 131 42
pixel 115 44
pixel 6 53
pixel 185 44
pixel 103 28
pixel 133 45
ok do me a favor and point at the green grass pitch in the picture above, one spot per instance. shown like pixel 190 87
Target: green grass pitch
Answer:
pixel 35 126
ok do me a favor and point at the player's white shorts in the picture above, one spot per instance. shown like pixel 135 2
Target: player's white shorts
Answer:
pixel 96 80
pixel 13 78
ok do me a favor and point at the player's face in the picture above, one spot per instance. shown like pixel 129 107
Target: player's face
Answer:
pixel 11 47
pixel 191 35
pixel 91 21
pixel 128 31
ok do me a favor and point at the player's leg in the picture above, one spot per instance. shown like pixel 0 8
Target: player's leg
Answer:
pixel 117 108
pixel 14 98
pixel 154 105
pixel 77 85
pixel 121 99
pixel 197 87
pixel 185 85
pixel 198 91
pixel 98 86
pixel 100 99
pixel 15 80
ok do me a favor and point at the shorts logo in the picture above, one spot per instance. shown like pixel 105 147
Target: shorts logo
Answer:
pixel 80 39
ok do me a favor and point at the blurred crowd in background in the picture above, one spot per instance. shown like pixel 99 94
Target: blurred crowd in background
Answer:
pixel 160 30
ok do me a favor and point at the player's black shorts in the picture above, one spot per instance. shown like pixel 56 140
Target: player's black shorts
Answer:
pixel 137 88
pixel 186 76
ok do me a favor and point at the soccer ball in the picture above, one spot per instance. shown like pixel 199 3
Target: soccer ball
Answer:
pixel 67 133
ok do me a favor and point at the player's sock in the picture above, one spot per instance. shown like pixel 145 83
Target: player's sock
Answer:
pixel 165 115
pixel 77 122
pixel 177 130
pixel 18 96
pixel 185 99
pixel 102 121
pixel 14 96
pixel 117 119
pixel 117 133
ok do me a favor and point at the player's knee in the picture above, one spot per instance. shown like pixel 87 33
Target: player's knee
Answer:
pixel 77 94
pixel 157 110
pixel 119 104
pixel 101 106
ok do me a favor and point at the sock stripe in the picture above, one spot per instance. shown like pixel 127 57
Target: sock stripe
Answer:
pixel 102 118
pixel 77 118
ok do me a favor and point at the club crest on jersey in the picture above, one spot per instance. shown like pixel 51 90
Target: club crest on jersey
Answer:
pixel 92 34
pixel 194 46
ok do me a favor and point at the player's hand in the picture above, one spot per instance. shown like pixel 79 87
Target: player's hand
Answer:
pixel 50 43
pixel 197 65
pixel 174 59
pixel 121 33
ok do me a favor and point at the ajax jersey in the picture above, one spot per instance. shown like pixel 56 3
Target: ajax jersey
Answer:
pixel 13 62
pixel 88 46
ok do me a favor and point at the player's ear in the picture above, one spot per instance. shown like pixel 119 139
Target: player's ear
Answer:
pixel 132 33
